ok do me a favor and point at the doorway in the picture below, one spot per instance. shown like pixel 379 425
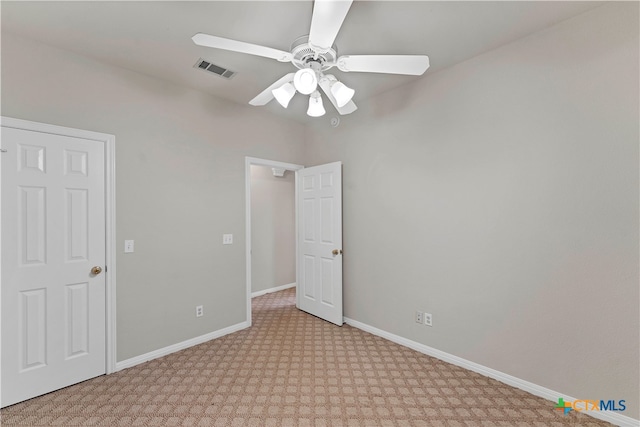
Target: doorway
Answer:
pixel 266 265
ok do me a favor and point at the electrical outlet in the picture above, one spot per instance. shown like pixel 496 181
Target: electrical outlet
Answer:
pixel 428 319
pixel 199 311
pixel 419 316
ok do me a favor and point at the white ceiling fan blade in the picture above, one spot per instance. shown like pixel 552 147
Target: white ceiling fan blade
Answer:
pixel 326 21
pixel 325 84
pixel 266 95
pixel 414 65
pixel 237 46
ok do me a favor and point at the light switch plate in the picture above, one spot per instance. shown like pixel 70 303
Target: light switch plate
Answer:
pixel 227 239
pixel 128 246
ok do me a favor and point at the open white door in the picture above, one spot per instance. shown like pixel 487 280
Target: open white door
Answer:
pixel 319 210
pixel 53 254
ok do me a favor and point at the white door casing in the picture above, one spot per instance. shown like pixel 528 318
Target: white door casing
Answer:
pixel 319 210
pixel 53 234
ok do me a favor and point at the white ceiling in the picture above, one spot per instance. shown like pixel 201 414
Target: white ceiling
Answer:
pixel 154 37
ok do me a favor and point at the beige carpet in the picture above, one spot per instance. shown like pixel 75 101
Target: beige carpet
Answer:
pixel 292 369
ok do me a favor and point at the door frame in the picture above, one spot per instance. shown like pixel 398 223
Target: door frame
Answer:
pixel 108 142
pixel 254 161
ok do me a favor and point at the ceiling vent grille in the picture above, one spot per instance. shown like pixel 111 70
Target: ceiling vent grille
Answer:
pixel 205 65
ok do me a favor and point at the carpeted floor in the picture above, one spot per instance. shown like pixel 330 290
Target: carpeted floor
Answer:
pixel 292 369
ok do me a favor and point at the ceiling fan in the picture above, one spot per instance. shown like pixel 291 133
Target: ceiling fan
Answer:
pixel 313 55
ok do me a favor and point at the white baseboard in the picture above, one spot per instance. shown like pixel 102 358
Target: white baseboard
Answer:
pixel 128 363
pixel 270 290
pixel 612 417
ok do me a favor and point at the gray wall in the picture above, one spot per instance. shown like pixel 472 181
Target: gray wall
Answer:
pixel 501 195
pixel 180 184
pixel 273 232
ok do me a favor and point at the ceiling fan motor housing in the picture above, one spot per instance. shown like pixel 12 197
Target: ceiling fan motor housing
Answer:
pixel 305 57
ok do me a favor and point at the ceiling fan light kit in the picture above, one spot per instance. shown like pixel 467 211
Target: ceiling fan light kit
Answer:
pixel 305 81
pixel 284 94
pixel 316 109
pixel 314 54
pixel 342 93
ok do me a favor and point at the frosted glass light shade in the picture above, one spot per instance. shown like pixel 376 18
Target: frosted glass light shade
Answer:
pixel 342 93
pixel 316 109
pixel 284 93
pixel 305 81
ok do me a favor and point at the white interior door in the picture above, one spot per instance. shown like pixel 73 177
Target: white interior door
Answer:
pixel 319 210
pixel 53 234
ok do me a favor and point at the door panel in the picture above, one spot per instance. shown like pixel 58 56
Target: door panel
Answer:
pixel 32 327
pixel 77 319
pixel 32 225
pixel 76 224
pixel 319 195
pixel 53 233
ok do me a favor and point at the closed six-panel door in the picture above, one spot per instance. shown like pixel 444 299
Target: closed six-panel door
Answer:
pixel 53 234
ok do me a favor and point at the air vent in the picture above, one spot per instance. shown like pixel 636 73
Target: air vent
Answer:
pixel 203 64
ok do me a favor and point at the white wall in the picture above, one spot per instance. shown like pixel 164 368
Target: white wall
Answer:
pixel 273 232
pixel 501 195
pixel 180 183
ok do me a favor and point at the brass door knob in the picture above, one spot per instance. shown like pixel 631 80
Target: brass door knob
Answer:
pixel 96 270
pixel 336 251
